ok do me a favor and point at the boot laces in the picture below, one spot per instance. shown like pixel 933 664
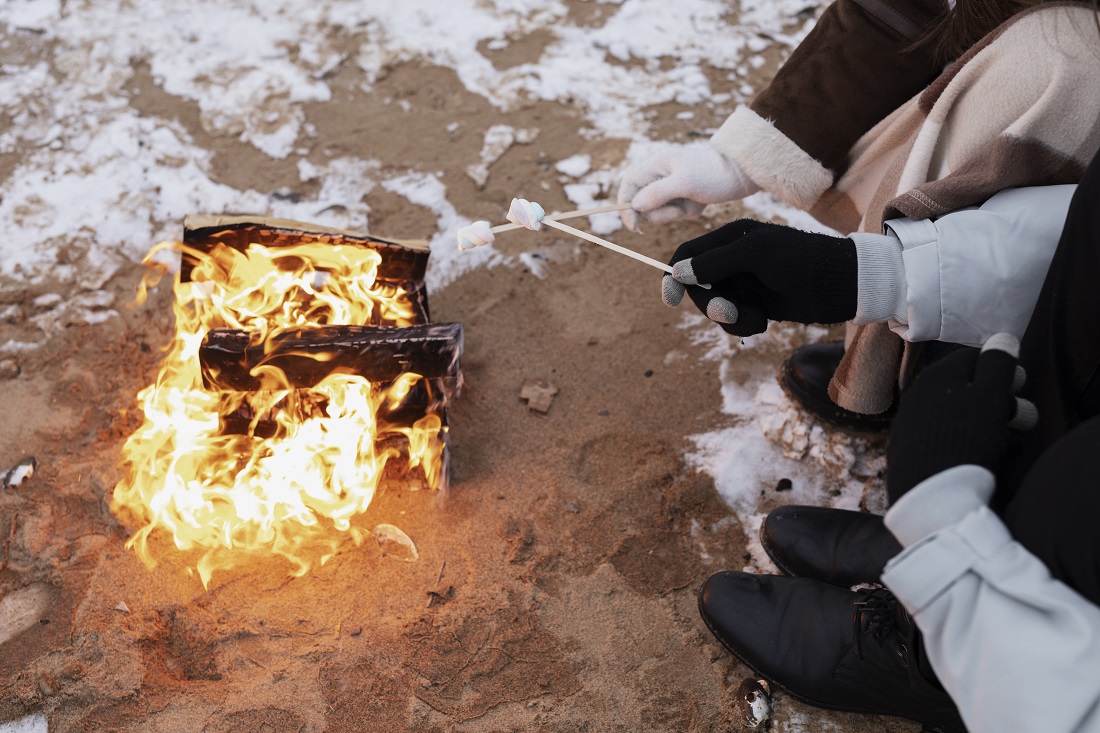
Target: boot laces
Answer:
pixel 878 609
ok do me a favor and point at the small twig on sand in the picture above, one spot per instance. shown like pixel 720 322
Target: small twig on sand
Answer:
pixel 434 593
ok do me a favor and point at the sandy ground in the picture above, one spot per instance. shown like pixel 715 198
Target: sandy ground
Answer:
pixel 557 580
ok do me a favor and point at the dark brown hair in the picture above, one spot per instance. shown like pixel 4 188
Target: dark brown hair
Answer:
pixel 961 27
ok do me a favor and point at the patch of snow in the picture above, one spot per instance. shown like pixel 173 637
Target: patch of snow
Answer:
pixel 574 166
pixel 768 438
pixel 591 192
pixel 535 262
pixel 106 190
pixel 614 71
pixel 31 724
pixel 787 19
pixel 498 139
pixel 26 15
pixel 11 346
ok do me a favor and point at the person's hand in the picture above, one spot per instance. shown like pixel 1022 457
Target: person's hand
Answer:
pixel 679 181
pixel 760 271
pixel 959 411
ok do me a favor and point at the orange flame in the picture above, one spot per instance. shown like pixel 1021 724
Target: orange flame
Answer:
pixel 298 493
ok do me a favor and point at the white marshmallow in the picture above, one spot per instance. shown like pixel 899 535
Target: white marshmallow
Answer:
pixel 475 235
pixel 526 213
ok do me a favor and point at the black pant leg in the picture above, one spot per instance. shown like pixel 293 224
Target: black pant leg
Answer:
pixel 1056 511
pixel 1061 346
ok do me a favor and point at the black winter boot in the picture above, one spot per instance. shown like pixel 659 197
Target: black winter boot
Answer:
pixel 827 646
pixel 805 377
pixel 834 545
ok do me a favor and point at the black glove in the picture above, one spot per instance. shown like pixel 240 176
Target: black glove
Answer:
pixel 760 271
pixel 959 411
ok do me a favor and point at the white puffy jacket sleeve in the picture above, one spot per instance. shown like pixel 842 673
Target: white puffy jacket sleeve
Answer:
pixel 1016 649
pixel 968 274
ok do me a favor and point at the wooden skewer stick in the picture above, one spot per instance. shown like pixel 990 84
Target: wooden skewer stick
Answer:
pixel 547 221
pixel 564 215
pixel 604 243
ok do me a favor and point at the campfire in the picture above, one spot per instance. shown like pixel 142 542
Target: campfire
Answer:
pixel 303 377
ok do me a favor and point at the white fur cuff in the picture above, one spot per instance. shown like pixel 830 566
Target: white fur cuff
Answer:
pixel 771 159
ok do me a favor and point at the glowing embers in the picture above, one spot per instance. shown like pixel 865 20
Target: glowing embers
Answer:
pixel 303 376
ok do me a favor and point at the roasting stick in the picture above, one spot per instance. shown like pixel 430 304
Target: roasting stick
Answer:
pixel 565 215
pixel 530 215
pixel 480 232
pixel 604 243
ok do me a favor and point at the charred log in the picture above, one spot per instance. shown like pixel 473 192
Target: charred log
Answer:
pixel 427 397
pixel 403 263
pixel 306 356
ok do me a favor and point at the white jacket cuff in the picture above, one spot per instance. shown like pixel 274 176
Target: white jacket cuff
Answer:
pixel 923 314
pixel 977 271
pixel 881 291
pixel 939 502
pixel 771 159
pixel 1016 649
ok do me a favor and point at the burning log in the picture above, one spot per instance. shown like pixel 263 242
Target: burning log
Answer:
pixel 428 396
pixel 303 357
pixel 403 262
pixel 231 361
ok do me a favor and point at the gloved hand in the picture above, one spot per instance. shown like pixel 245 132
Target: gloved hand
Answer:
pixel 959 411
pixel 679 181
pixel 760 271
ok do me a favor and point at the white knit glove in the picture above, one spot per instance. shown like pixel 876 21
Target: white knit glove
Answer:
pixel 679 181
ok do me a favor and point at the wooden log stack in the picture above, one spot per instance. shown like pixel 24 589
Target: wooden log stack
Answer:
pixel 379 353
